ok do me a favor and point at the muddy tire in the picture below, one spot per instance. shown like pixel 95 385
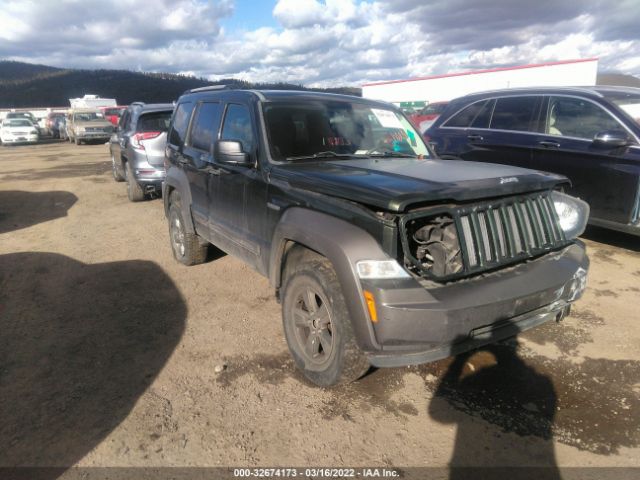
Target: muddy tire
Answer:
pixel 317 324
pixel 134 190
pixel 188 248
pixel 117 176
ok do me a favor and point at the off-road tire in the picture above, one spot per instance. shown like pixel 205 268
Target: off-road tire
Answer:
pixel 345 362
pixel 117 176
pixel 134 190
pixel 192 249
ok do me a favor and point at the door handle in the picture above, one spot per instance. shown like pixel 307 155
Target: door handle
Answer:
pixel 475 138
pixel 549 144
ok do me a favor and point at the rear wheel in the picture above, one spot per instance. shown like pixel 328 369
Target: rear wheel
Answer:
pixel 134 190
pixel 188 248
pixel 317 325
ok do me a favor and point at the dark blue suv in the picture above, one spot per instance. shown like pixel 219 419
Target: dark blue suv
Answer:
pixel 589 134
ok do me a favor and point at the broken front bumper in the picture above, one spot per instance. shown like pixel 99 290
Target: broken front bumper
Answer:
pixel 419 323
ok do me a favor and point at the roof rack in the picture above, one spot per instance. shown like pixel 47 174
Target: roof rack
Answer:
pixel 138 103
pixel 209 88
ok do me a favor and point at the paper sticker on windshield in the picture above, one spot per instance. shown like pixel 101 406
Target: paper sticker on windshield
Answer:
pixel 386 118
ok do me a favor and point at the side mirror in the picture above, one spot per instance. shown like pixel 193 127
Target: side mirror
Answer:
pixel 611 139
pixel 230 152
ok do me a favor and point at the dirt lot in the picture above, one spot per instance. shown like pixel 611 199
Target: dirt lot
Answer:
pixel 108 349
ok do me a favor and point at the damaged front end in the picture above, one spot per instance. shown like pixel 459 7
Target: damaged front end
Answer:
pixel 451 242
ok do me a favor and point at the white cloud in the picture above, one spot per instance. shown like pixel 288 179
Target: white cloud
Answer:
pixel 320 43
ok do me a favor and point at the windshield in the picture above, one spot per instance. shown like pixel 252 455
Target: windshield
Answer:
pixel 434 109
pixel 630 104
pixel 338 129
pixel 18 122
pixel 87 116
pixel 113 111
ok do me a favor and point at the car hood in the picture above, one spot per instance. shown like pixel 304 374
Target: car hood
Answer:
pixel 393 184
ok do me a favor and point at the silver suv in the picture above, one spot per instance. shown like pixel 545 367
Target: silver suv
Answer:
pixel 137 148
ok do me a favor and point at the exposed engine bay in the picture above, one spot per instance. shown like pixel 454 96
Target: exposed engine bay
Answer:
pixel 434 247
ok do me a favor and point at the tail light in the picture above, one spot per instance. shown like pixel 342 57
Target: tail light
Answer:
pixel 139 137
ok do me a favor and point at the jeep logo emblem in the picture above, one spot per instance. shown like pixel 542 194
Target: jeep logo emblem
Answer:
pixel 508 180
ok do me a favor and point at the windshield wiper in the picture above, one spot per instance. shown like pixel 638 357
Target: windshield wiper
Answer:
pixel 377 152
pixel 326 154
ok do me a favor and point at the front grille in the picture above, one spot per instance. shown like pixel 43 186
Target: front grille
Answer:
pixel 97 130
pixel 494 234
pixel 490 234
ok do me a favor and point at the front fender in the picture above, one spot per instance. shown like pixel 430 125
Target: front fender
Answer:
pixel 343 244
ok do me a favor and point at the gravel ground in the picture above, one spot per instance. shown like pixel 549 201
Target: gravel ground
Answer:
pixel 109 349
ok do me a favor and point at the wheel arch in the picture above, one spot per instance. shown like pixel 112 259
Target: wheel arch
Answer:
pixel 177 181
pixel 343 244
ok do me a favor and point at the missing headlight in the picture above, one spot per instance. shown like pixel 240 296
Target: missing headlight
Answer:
pixel 434 246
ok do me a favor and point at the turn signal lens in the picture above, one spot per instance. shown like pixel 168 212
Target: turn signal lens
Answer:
pixel 371 305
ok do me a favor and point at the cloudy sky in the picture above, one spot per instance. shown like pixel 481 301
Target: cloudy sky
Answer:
pixel 319 42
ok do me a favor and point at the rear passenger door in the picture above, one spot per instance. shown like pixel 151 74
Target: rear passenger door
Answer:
pixel 510 136
pixel 198 160
pixel 497 130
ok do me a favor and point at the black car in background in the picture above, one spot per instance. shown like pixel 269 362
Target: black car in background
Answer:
pixel 589 134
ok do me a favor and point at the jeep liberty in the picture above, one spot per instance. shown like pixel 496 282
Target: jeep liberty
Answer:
pixel 379 253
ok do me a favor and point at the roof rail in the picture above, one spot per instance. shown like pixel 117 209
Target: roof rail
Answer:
pixel 209 88
pixel 138 103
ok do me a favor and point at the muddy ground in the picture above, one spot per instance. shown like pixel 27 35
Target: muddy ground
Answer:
pixel 108 349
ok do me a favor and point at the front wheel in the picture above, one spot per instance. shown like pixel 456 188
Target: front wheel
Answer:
pixel 317 325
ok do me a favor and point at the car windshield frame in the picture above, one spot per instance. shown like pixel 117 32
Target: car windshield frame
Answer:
pixel 87 116
pixel 329 130
pixel 18 122
pixel 624 101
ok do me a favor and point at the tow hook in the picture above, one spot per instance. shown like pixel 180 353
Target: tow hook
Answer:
pixel 563 313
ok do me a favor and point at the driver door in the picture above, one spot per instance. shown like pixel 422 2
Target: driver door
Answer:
pixel 602 177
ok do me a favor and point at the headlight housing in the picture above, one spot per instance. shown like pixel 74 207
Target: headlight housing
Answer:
pixel 380 269
pixel 572 212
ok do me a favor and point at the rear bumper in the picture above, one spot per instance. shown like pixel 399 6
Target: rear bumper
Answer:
pixel 147 173
pixel 418 324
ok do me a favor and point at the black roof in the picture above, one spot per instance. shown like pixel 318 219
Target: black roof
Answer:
pixel 597 91
pixel 290 95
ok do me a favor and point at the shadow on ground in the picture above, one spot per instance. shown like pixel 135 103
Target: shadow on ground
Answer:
pixel 613 238
pixel 79 344
pixel 70 170
pixel 20 209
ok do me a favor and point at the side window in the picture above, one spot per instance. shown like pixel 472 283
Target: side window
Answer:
pixel 515 113
pixel 180 123
pixel 484 116
pixel 205 126
pixel 463 118
pixel 574 117
pixel 237 126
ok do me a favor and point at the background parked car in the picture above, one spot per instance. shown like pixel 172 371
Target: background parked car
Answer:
pixel 27 115
pixel 18 130
pixel 425 117
pixel 52 123
pixel 589 134
pixel 85 125
pixel 137 148
pixel 113 114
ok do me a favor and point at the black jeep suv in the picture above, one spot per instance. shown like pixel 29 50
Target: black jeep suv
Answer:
pixel 379 253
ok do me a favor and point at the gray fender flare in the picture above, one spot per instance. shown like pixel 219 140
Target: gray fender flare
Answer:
pixel 177 180
pixel 343 244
